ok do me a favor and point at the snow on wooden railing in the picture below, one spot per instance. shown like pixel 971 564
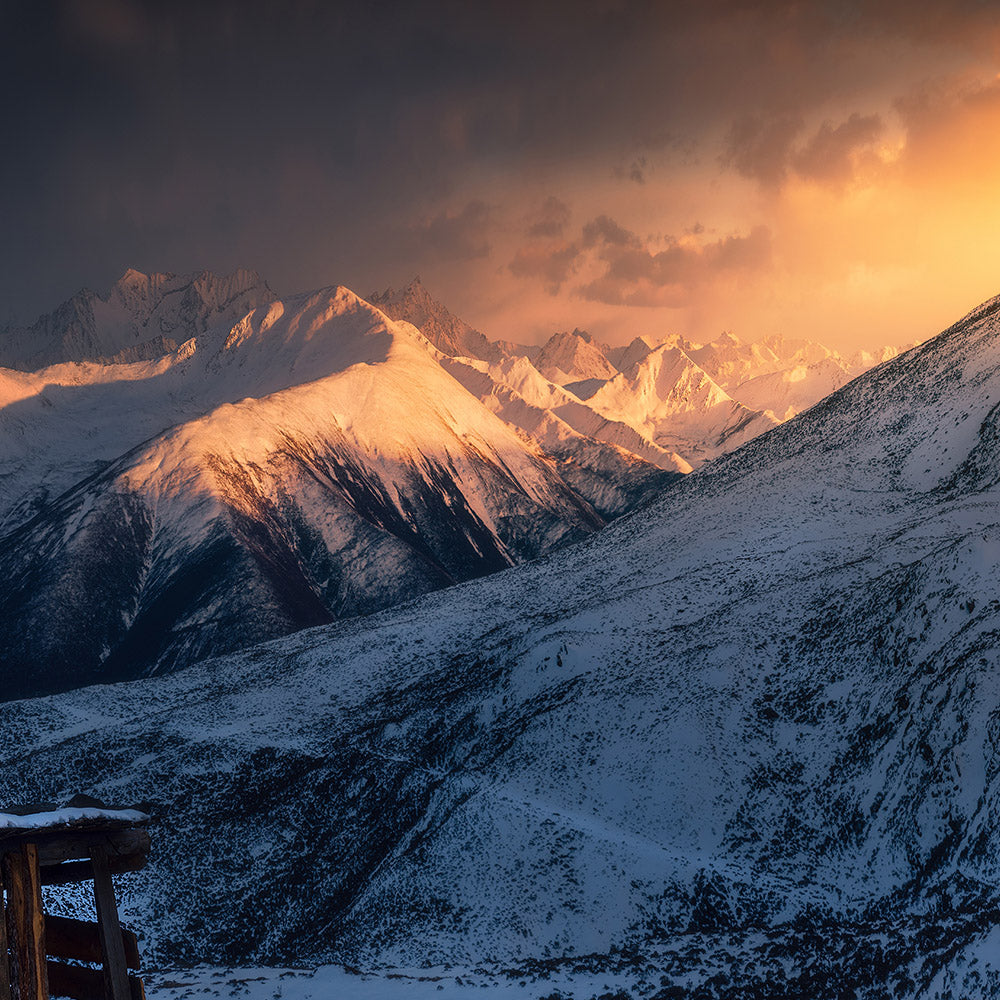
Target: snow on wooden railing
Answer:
pixel 47 845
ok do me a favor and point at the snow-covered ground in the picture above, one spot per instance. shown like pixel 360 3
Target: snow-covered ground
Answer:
pixel 332 982
pixel 971 973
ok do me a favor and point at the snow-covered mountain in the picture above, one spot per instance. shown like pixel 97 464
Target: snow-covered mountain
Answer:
pixel 707 400
pixel 674 403
pixel 448 333
pixel 743 742
pixel 700 400
pixel 320 463
pixel 784 393
pixel 573 357
pixel 515 390
pixel 283 497
pixel 730 361
pixel 624 358
pixel 143 317
pixel 781 376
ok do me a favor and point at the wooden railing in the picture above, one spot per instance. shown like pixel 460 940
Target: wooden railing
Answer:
pixel 40 954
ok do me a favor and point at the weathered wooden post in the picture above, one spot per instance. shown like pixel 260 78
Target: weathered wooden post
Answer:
pixel 46 845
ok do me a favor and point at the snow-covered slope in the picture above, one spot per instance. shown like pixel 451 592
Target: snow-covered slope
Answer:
pixel 66 422
pixel 744 740
pixel 572 357
pixel 672 402
pixel 143 316
pixel 448 333
pixel 785 393
pixel 515 390
pixel 325 465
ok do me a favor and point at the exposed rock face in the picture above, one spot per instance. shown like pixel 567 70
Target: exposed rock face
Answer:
pixel 448 333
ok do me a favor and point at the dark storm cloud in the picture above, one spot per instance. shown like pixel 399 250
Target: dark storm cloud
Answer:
pixel 550 263
pixel 461 235
pixel 760 148
pixel 634 272
pixel 551 219
pixel 604 230
pixel 769 150
pixel 305 138
pixel 829 155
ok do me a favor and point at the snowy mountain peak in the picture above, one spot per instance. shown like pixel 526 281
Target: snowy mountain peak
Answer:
pixel 322 461
pixel 311 335
pixel 131 277
pixel 141 317
pixel 629 356
pixel 573 357
pixel 448 333
pixel 676 404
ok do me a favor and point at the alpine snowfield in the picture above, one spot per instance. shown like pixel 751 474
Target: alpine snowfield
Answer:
pixel 743 740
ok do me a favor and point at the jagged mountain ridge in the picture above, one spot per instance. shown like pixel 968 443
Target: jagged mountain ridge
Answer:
pixel 448 333
pixel 143 317
pixel 753 386
pixel 326 465
pixel 674 403
pixel 67 426
pixel 752 727
pixel 515 390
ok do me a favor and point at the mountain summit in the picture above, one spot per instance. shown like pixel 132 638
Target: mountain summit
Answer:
pixel 446 332
pixel 142 317
pixel 316 462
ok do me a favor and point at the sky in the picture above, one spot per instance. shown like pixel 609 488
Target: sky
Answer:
pixel 828 169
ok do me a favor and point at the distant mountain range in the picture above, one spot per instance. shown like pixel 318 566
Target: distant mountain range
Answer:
pixel 143 317
pixel 697 401
pixel 744 742
pixel 315 462
pixel 224 467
